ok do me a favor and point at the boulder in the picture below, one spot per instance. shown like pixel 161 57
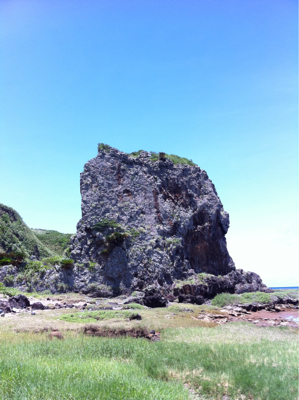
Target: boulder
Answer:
pixel 19 301
pixel 154 298
pixel 37 306
pixel 4 306
pixel 135 316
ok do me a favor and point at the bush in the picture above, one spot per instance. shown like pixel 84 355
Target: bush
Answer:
pixel 6 261
pixel 225 299
pixel 8 280
pixel 12 257
pixel 255 297
pixel 66 262
pixel 34 265
pixel 106 223
pixel 7 291
pixel 134 233
pixel 51 261
pixel 117 237
pixel 104 147
pixel 91 265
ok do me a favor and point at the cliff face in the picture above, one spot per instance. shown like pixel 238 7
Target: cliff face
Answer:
pixel 145 221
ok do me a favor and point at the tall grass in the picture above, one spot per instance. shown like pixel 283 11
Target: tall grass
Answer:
pixel 100 368
pixel 83 368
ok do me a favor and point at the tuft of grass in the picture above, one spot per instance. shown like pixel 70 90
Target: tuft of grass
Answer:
pixel 133 306
pixel 106 223
pixel 104 147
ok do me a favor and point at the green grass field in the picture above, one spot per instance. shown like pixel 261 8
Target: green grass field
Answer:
pixel 188 363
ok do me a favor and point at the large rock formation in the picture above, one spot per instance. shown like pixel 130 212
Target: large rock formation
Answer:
pixel 146 221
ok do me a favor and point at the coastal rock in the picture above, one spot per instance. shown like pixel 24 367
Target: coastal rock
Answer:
pixel 19 301
pixel 37 306
pixel 154 298
pixel 146 221
pixel 209 286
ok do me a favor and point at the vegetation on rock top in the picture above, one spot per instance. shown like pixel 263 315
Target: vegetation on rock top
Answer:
pixel 153 155
pixel 172 157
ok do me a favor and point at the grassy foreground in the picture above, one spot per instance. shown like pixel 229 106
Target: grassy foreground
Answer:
pixel 240 360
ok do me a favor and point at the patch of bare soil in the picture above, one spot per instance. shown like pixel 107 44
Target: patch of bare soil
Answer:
pixel 95 330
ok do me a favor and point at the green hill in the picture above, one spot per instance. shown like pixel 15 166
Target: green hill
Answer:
pixel 55 241
pixel 15 236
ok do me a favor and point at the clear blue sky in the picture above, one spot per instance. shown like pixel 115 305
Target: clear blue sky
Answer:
pixel 210 80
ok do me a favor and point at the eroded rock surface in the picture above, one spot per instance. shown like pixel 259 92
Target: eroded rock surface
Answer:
pixel 147 221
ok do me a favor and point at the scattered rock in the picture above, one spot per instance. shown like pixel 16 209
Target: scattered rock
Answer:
pixel 135 316
pixel 37 306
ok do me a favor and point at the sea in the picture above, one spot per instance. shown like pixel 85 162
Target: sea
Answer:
pixel 284 287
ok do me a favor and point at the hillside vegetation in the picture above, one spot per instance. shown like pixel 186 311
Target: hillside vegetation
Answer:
pixel 16 237
pixel 55 241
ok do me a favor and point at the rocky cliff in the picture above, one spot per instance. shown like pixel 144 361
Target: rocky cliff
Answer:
pixel 148 219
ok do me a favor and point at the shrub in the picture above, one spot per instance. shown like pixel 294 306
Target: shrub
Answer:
pixel 104 147
pixel 91 265
pixel 255 297
pixel 62 287
pixel 51 261
pixel 117 237
pixel 225 299
pixel 7 291
pixel 8 280
pixel 34 265
pixel 106 223
pixel 66 262
pixel 12 257
pixel 172 240
pixel 135 153
pixel 134 232
pixel 6 261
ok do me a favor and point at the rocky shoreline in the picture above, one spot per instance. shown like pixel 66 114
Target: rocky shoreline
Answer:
pixel 263 315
